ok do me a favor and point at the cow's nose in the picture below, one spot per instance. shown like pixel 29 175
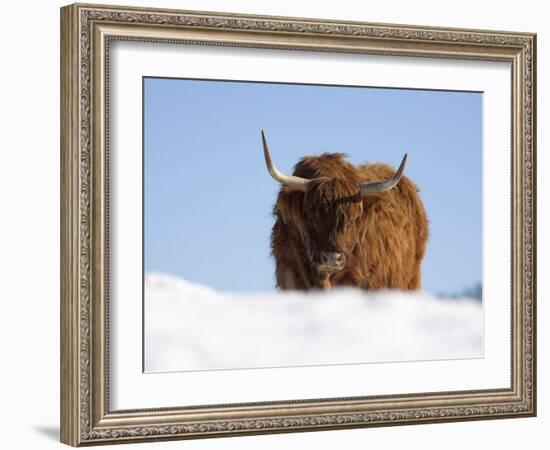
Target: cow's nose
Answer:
pixel 332 260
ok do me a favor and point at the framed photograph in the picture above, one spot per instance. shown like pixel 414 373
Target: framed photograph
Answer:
pixel 276 224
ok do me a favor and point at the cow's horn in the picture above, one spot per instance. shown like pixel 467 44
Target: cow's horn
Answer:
pixel 382 186
pixel 286 180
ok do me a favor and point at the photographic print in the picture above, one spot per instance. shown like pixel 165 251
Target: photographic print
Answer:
pixel 292 224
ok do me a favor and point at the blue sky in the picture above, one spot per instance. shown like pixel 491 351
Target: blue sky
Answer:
pixel 208 197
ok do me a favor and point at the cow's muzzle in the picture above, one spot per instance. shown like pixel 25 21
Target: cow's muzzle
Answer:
pixel 330 262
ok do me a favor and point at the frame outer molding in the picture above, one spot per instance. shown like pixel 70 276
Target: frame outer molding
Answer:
pixel 69 118
pixel 85 34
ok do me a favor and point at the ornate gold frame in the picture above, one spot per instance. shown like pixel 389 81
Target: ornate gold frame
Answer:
pixel 86 31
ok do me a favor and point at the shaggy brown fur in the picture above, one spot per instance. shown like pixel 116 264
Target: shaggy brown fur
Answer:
pixel 382 235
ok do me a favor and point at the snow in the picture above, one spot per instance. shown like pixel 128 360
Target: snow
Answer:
pixel 193 327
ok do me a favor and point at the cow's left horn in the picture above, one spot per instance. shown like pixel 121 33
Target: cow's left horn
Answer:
pixel 291 181
pixel 382 186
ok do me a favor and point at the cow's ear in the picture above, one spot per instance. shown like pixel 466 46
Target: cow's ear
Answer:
pixel 281 216
pixel 285 216
pixel 290 209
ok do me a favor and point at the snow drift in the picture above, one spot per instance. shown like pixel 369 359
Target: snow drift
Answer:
pixel 193 327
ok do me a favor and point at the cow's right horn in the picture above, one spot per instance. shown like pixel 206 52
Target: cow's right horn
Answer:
pixel 290 181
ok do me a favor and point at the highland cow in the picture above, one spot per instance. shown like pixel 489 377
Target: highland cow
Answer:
pixel 343 225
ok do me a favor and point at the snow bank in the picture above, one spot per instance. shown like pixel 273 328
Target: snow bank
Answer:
pixel 193 327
